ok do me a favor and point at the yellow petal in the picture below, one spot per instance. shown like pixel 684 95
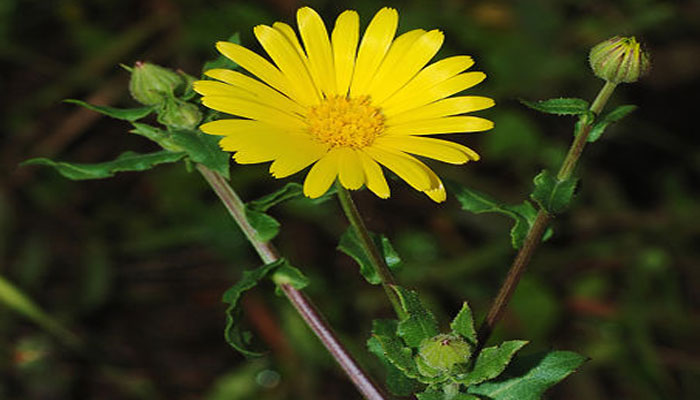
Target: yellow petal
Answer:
pixel 374 45
pixel 322 175
pixel 391 63
pixel 254 64
pixel 253 146
pixel 443 89
pixel 406 167
pixel 265 93
pixel 288 32
pixel 232 126
pixel 393 74
pixel 443 108
pixel 253 110
pixel 292 66
pixel 344 42
pixel 318 49
pixel 376 182
pixel 441 150
pixel 437 193
pixel 459 124
pixel 297 155
pixel 428 77
pixel 351 175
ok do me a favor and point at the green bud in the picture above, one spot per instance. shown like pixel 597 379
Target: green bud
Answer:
pixel 151 84
pixel 619 59
pixel 443 352
pixel 179 114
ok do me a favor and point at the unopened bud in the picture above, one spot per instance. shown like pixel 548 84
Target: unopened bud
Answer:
pixel 151 84
pixel 620 59
pixel 442 352
pixel 179 114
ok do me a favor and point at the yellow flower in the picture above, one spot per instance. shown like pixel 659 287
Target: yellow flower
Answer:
pixel 345 107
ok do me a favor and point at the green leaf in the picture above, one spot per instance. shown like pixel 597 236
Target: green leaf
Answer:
pixel 160 136
pixel 290 191
pixel 127 114
pixel 463 324
pixel 234 333
pixel 350 244
pixel 128 161
pixel 432 394
pixel 386 345
pixel 266 227
pixel 551 193
pixel 612 117
pixel 527 378
pixel 420 324
pixel 397 383
pixel 522 214
pixel 221 61
pixel 202 148
pixel 491 362
pixel 560 106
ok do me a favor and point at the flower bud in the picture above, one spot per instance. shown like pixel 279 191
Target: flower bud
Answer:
pixel 151 84
pixel 179 114
pixel 619 59
pixel 442 352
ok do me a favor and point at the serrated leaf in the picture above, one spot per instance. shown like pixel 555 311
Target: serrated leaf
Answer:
pixel 527 378
pixel 463 324
pixel 612 117
pixel 551 193
pixel 420 323
pixel 397 383
pixel 400 356
pixel 128 161
pixel 127 114
pixel 350 244
pixel 560 106
pixel 477 202
pixel 160 136
pixel 491 362
pixel 289 191
pixel 266 227
pixel 202 148
pixel 234 333
pixel 221 61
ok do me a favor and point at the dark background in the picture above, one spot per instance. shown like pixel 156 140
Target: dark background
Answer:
pixel 136 265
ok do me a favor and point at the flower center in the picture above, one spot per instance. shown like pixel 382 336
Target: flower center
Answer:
pixel 343 122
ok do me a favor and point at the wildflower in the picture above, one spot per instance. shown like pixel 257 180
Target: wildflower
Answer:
pixel 343 106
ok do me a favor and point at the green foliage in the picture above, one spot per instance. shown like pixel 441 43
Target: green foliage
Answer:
pixel 202 148
pixel 522 214
pixel 527 378
pixel 420 323
pixel 128 161
pixel 551 193
pixel 289 191
pixel 560 106
pixel 350 244
pixel 463 324
pixel 126 114
pixel 491 362
pixel 610 118
pixel 281 272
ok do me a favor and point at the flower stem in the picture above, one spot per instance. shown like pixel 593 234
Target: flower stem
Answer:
pixel 377 260
pixel 310 314
pixel 534 236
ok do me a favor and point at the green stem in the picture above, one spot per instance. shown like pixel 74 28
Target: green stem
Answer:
pixel 377 260
pixel 302 304
pixel 534 236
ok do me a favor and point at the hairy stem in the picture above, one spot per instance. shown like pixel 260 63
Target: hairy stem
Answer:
pixel 376 258
pixel 534 236
pixel 299 300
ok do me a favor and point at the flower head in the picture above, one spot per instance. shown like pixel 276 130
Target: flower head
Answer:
pixel 343 105
pixel 619 59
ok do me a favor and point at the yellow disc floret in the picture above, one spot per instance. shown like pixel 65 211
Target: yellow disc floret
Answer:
pixel 343 122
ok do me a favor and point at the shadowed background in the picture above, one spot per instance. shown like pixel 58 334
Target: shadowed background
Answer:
pixel 135 265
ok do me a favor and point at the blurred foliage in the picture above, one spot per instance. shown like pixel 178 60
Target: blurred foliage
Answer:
pixel 136 265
